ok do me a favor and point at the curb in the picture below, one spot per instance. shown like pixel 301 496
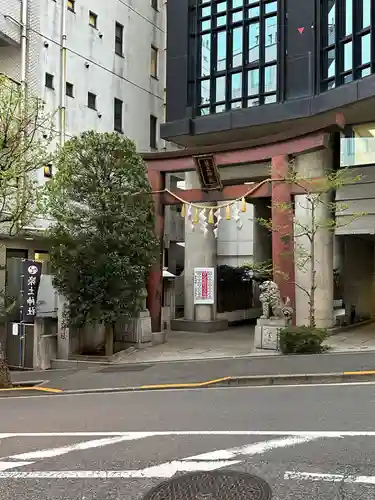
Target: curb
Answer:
pixel 249 381
pixel 238 381
pixel 32 385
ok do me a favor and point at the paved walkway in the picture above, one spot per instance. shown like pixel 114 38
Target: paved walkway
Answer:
pixel 183 346
pixel 355 339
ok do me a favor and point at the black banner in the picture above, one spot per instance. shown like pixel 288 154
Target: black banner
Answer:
pixel 31 272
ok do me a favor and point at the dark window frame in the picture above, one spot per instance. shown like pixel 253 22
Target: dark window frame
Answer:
pixel 154 51
pixel 202 24
pixel 49 81
pixel 91 100
pixel 95 18
pixel 153 132
pixel 117 115
pixel 73 7
pixel 154 4
pixel 119 39
pixel 339 42
pixel 69 89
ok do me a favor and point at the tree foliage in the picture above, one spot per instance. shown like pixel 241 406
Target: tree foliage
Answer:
pixel 25 132
pixel 103 241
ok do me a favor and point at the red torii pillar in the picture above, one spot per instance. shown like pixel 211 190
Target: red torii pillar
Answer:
pixel 282 234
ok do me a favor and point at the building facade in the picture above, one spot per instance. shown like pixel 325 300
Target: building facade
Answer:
pixel 258 83
pixel 96 66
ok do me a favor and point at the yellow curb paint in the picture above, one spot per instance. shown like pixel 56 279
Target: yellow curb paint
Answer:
pixel 193 384
pixel 35 388
pixel 364 372
pixel 47 389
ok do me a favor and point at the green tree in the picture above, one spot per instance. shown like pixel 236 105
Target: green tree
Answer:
pixel 25 132
pixel 103 241
pixel 322 214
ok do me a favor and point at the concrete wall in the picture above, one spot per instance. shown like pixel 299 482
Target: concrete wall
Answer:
pixel 359 197
pixel 359 275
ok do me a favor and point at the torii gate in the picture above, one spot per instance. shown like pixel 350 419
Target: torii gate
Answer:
pixel 159 164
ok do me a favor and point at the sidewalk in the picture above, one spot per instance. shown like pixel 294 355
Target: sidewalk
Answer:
pixel 182 372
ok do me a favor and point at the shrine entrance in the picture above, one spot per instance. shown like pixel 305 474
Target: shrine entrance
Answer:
pixel 218 187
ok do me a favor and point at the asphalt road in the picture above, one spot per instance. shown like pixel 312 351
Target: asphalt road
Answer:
pixel 130 374
pixel 314 442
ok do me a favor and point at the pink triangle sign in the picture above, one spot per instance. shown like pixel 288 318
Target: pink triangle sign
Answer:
pixel 300 30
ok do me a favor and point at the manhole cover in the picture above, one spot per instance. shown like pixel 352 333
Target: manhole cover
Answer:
pixel 212 486
pixel 125 368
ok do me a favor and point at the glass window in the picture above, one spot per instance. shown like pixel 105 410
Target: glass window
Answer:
pixel 270 39
pixel 366 49
pixel 236 105
pixel 220 89
pixel 206 11
pixel 254 12
pixel 269 99
pixel 206 25
pixel 331 21
pixel 233 31
pixel 205 55
pixel 236 85
pixel 253 82
pixel 348 56
pixel 331 63
pixel 348 17
pixel 366 13
pixel 154 62
pixel 270 78
pixel 237 41
pixel 365 72
pixel 221 21
pixel 222 7
pixel 221 62
pixel 270 7
pixel 253 42
pixel 119 39
pixel 237 16
pixel 205 91
pixel 93 19
pixel 220 108
pixel 252 102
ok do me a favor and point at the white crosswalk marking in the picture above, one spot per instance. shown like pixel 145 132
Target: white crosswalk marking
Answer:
pixel 331 478
pixel 86 445
pixel 253 449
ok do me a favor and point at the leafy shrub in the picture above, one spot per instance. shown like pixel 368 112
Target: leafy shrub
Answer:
pixel 302 340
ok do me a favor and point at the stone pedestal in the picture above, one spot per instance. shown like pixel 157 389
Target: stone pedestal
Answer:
pixel 138 331
pixel 267 333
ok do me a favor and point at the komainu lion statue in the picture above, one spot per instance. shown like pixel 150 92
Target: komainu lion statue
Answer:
pixel 272 304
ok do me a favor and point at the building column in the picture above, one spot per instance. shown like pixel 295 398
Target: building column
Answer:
pixel 282 229
pixel 310 165
pixel 200 251
pixel 155 278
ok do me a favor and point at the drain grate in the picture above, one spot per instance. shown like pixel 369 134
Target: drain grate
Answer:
pixel 125 368
pixel 216 485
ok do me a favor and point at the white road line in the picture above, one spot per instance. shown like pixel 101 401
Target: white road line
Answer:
pixel 332 478
pixel 168 470
pixel 253 449
pixel 55 452
pixel 139 435
pixel 12 465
